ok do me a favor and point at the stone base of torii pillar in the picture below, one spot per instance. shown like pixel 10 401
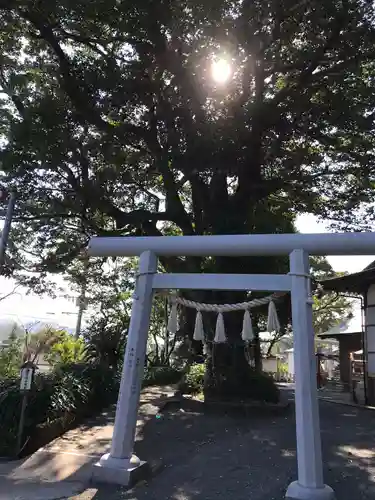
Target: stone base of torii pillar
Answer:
pixel 297 492
pixel 124 472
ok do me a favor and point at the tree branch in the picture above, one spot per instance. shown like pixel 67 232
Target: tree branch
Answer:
pixel 45 216
pixel 174 204
pixel 3 297
pixel 15 99
pixel 76 88
pixel 308 70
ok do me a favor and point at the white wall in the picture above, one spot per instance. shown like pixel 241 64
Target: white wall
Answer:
pixel 269 365
pixel 291 363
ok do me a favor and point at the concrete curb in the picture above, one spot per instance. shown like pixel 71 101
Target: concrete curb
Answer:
pixel 345 403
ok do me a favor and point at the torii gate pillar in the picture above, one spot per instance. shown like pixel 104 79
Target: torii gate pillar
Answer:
pixel 119 464
pixel 310 485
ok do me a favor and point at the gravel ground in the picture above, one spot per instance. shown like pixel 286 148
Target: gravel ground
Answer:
pixel 208 457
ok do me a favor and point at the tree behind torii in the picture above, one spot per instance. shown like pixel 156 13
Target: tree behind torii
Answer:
pixel 114 125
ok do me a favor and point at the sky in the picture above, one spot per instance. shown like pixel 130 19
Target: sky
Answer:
pixel 31 308
pixel 340 263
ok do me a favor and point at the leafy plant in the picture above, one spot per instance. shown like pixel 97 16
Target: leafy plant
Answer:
pixel 161 343
pixel 328 309
pixel 105 342
pixel 193 381
pixel 282 368
pixel 255 385
pixel 77 390
pixel 11 357
pixel 161 375
pixel 107 287
pixel 41 342
pixel 67 350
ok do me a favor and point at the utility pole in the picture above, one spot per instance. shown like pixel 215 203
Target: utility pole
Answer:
pixel 81 309
pixel 7 224
pixel 82 300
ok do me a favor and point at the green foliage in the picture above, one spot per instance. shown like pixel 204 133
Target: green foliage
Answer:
pixel 240 382
pixel 262 387
pixel 54 343
pixel 111 124
pixel 67 350
pixel 107 290
pixel 11 357
pixel 259 385
pixel 41 342
pixel 193 380
pixel 161 343
pixel 330 308
pixel 105 284
pixel 129 135
pixel 282 368
pixel 79 390
pixel 161 375
pixel 105 343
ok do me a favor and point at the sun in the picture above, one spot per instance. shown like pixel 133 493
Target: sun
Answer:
pixel 221 71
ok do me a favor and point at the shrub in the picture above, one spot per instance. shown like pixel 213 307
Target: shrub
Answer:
pixel 257 386
pixel 77 390
pixel 10 357
pixel 283 368
pixel 102 382
pixel 161 375
pixel 68 350
pixel 105 342
pixel 262 387
pixel 193 380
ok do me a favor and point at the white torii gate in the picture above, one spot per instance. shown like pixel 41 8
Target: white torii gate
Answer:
pixel 119 465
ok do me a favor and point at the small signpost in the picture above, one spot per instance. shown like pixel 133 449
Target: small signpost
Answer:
pixel 27 375
pixel 26 378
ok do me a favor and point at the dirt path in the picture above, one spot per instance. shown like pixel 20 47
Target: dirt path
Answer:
pixel 208 457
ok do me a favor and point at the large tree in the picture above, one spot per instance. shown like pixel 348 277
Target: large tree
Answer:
pixel 113 124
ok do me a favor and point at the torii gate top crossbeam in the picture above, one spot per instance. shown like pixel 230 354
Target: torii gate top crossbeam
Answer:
pixel 235 245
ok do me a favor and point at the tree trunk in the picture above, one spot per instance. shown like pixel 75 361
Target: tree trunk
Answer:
pixel 256 347
pixel 230 366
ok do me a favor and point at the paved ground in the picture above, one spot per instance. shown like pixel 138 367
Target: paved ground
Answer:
pixel 335 393
pixel 221 458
